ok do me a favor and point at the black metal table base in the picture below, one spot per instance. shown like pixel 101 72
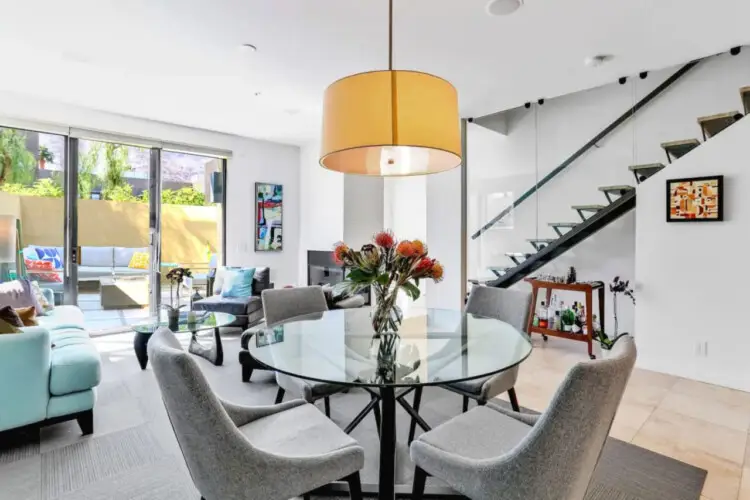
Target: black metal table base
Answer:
pixel 214 354
pixel 400 491
pixel 140 341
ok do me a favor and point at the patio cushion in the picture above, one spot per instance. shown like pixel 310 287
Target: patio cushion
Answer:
pixel 74 364
pixel 89 273
pixel 239 306
pixel 124 254
pixel 62 317
pixel 98 256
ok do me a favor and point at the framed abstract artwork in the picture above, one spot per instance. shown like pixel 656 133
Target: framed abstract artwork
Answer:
pixel 269 205
pixel 697 199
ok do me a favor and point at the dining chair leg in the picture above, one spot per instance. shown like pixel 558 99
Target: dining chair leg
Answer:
pixel 355 486
pixel 376 411
pixel 280 395
pixel 415 405
pixel 247 372
pixel 327 403
pixel 466 404
pixel 420 478
pixel 513 399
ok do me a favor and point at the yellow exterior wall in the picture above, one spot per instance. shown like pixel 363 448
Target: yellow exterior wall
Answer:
pixel 187 231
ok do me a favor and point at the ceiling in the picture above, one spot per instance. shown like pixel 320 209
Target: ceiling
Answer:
pixel 179 61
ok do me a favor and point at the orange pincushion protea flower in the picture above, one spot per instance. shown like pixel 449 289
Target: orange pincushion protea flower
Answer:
pixel 339 253
pixel 419 247
pixel 406 249
pixel 384 239
pixel 437 271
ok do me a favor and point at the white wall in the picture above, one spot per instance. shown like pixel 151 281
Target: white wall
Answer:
pixel 363 208
pixel 444 237
pixel 252 161
pixel 405 213
pixel 546 135
pixel 691 276
pixel 321 206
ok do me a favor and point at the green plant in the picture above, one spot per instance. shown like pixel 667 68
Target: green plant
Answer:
pixel 17 163
pixel 45 154
pixel 119 193
pixel 116 160
pixel 183 196
pixel 47 188
pixel 87 178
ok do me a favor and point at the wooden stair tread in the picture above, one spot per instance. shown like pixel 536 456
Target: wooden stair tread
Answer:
pixel 745 96
pixel 647 166
pixel 624 187
pixel 542 240
pixel 588 207
pixel 680 143
pixel 517 254
pixel 564 224
pixel 720 116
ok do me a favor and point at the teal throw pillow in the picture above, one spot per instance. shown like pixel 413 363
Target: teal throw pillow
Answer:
pixel 238 282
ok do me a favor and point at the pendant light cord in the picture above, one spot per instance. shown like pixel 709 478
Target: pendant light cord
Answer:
pixel 390 35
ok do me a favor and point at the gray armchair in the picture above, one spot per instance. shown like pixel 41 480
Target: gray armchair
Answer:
pixel 491 453
pixel 506 305
pixel 248 310
pixel 272 452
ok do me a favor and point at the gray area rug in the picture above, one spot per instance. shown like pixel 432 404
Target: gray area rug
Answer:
pixel 133 453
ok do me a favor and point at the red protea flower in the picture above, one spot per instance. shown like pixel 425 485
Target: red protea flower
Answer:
pixel 340 252
pixel 437 271
pixel 384 239
pixel 406 249
pixel 423 267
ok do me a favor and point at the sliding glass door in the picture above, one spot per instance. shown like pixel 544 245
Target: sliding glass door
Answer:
pixel 113 221
pixel 32 166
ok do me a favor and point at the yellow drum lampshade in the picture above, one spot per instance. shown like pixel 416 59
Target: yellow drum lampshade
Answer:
pixel 391 123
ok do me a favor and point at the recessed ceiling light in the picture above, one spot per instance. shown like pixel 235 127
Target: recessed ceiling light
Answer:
pixel 249 47
pixel 597 60
pixel 503 7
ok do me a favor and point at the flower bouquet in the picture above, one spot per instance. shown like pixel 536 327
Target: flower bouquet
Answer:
pixel 386 266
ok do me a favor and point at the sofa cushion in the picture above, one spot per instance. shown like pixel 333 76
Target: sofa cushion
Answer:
pixel 124 254
pixel 62 317
pixel 74 364
pixel 98 256
pixel 262 279
pixel 18 293
pixel 239 306
pixel 93 273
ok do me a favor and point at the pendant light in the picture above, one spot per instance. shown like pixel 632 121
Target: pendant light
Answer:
pixel 391 122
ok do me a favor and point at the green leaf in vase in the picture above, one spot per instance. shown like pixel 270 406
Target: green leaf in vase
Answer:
pixel 411 290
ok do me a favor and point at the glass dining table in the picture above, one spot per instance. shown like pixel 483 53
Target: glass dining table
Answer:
pixel 432 347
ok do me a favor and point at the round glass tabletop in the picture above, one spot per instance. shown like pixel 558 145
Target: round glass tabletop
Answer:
pixel 433 346
pixel 203 321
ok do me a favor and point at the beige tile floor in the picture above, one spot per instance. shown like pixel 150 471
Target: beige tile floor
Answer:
pixel 700 424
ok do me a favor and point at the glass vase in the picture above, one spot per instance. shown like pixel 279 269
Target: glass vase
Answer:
pixel 386 315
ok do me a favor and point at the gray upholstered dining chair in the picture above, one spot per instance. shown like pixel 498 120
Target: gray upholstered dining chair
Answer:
pixel 270 452
pixel 281 305
pixel 491 453
pixel 510 306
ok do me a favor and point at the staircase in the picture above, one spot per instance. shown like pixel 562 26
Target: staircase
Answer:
pixel 619 200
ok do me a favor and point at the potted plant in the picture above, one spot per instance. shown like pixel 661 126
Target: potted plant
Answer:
pixel 175 277
pixel 617 287
pixel 45 155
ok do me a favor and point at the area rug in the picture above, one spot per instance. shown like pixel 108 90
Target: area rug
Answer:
pixel 133 453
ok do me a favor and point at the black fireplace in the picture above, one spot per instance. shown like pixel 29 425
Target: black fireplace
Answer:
pixel 323 270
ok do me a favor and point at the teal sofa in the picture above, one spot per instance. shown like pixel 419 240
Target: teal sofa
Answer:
pixel 48 372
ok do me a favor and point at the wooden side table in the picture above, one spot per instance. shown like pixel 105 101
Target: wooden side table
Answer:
pixel 588 290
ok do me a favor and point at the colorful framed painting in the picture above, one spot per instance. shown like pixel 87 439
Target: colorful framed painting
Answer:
pixel 697 199
pixel 269 205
